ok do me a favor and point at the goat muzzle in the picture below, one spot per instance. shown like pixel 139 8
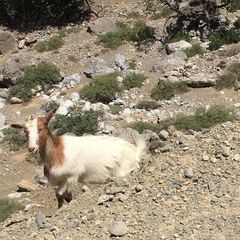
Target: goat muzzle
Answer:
pixel 32 150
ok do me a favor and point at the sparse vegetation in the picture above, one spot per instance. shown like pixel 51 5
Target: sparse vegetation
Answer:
pixel 103 88
pixel 148 105
pixel 202 119
pixel 176 36
pixel 230 77
pixel 141 126
pixel 78 123
pixel 194 50
pixel 54 42
pixel 8 207
pixel 138 33
pixel 167 90
pixel 133 80
pixel 15 138
pixel 116 109
pixel 42 77
pixel 132 64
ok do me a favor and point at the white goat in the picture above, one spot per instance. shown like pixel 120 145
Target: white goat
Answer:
pixel 69 159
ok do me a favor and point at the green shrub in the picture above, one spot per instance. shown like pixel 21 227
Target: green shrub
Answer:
pixel 167 90
pixel 234 5
pixel 15 138
pixel 230 77
pixel 116 109
pixel 177 36
pixel 103 88
pixel 132 64
pixel 141 126
pixel 202 119
pixel 78 123
pixel 236 24
pixel 138 33
pixel 148 105
pixel 54 42
pixel 133 80
pixel 224 37
pixel 8 207
pixel 43 75
pixel 194 50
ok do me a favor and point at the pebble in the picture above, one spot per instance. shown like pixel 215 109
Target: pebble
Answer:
pixel 119 230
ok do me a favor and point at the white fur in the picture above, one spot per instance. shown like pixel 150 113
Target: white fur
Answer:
pixel 31 127
pixel 95 159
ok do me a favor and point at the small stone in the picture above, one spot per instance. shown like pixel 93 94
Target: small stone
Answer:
pixel 40 221
pixel 188 172
pixel 119 230
pixel 211 186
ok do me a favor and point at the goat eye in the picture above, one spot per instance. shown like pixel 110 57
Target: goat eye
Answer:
pixel 40 129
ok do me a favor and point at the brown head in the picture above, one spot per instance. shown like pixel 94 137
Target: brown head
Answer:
pixel 36 130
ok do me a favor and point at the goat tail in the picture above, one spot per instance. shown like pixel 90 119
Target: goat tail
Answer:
pixel 141 147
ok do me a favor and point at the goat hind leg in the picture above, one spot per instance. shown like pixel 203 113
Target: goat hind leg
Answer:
pixel 60 199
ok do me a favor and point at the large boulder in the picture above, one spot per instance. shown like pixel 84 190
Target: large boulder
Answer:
pixel 12 68
pixel 8 42
pixel 102 26
pixel 96 66
pixel 167 63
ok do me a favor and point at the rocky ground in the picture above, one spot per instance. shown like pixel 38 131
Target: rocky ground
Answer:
pixel 189 189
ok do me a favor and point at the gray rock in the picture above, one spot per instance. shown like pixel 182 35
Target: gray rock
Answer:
pixel 2 120
pixel 8 42
pixel 40 220
pixel 188 172
pixel 96 66
pixel 120 61
pixel 64 107
pixel 181 45
pixel 13 67
pixel 72 79
pixel 102 26
pixel 176 59
pixel 119 230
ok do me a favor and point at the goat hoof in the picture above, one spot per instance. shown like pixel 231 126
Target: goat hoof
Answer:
pixel 68 197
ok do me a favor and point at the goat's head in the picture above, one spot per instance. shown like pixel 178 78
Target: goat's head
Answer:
pixel 36 130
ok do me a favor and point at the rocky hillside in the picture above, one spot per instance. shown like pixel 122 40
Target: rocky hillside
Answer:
pixel 187 189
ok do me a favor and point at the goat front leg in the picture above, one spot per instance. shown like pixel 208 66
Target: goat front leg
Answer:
pixel 63 192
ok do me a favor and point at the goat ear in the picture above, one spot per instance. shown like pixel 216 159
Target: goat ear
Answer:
pixel 49 115
pixel 17 125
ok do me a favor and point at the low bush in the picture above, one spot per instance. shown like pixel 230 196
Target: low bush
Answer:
pixel 15 138
pixel 41 77
pixel 116 109
pixel 230 77
pixel 54 42
pixel 224 36
pixel 133 80
pixel 8 207
pixel 138 33
pixel 194 50
pixel 148 105
pixel 103 88
pixel 202 119
pixel 78 123
pixel 167 90
pixel 141 126
pixel 177 36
